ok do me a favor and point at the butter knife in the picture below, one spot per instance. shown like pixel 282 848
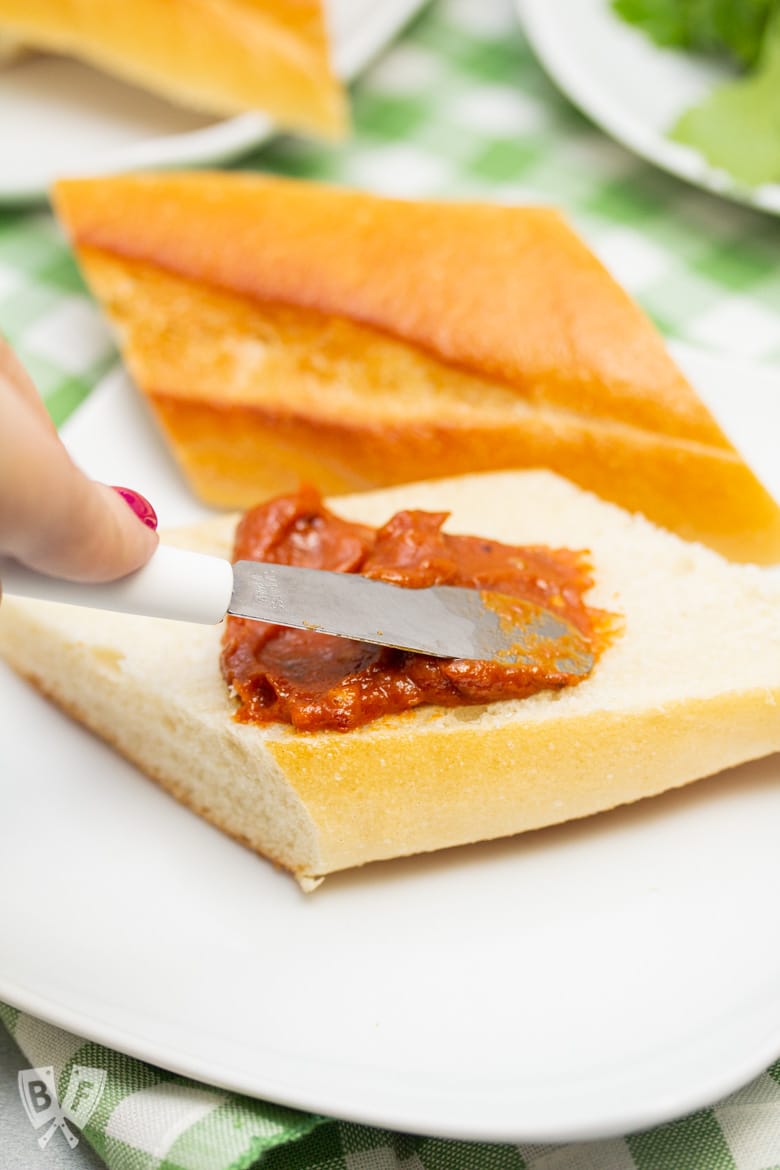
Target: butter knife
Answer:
pixel 442 620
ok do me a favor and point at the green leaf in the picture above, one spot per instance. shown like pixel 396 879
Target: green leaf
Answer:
pixel 737 127
pixel 664 21
pixel 732 27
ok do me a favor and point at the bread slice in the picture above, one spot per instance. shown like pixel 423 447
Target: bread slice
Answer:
pixel 220 56
pixel 286 331
pixel 10 49
pixel 692 686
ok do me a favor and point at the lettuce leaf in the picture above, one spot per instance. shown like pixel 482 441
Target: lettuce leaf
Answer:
pixel 733 27
pixel 737 127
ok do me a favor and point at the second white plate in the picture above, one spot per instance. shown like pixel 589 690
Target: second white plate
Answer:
pixel 630 87
pixel 59 117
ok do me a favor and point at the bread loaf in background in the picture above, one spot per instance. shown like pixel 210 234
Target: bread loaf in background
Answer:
pixel 691 686
pixel 219 56
pixel 286 331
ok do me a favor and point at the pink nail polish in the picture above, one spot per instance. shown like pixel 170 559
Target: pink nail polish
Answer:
pixel 140 505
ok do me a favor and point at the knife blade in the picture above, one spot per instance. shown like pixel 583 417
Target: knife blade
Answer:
pixel 441 620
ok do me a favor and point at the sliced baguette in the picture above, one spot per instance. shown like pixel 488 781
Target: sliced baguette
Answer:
pixel 220 56
pixel 690 687
pixel 286 331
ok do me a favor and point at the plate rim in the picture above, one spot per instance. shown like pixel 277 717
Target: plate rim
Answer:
pixel 707 1095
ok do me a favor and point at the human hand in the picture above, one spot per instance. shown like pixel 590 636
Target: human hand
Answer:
pixel 52 516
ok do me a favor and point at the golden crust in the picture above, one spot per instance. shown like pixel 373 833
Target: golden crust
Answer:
pixel 174 785
pixel 221 56
pixel 285 331
pixel 410 793
pixel 506 292
pixel 377 798
pixel 272 451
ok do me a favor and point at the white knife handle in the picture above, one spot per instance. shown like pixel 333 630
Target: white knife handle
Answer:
pixel 175 583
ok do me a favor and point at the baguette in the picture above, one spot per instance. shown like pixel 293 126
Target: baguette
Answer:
pixel 219 56
pixel 285 331
pixel 691 686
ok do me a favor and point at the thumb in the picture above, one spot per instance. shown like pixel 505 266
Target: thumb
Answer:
pixel 94 536
pixel 52 516
pixel 116 534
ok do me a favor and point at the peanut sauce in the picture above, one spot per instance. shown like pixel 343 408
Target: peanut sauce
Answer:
pixel 317 681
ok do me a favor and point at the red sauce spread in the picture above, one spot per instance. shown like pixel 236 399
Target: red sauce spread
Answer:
pixel 316 681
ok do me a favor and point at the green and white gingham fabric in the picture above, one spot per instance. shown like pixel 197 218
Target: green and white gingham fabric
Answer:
pixel 458 107
pixel 148 1119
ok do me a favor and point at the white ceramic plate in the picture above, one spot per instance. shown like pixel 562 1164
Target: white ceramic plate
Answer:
pixel 630 87
pixel 577 982
pixel 59 117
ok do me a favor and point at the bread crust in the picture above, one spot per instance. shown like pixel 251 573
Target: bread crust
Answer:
pixel 162 776
pixel 274 451
pixel 286 331
pixel 507 292
pixel 220 56
pixel 401 796
pixel 86 665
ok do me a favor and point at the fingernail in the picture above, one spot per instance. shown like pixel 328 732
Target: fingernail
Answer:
pixel 140 505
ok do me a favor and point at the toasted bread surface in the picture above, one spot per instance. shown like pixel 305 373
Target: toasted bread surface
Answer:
pixel 509 292
pixel 286 331
pixel 256 397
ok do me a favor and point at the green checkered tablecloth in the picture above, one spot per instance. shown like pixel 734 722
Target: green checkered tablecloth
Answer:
pixel 457 107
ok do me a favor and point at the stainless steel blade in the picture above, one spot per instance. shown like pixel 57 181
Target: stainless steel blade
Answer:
pixel 441 620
